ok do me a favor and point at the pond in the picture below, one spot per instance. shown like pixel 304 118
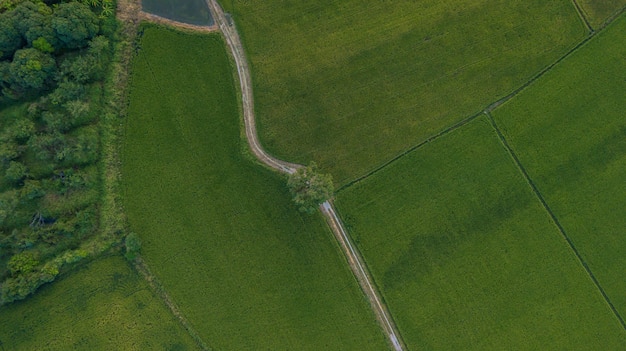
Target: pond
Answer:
pixel 194 12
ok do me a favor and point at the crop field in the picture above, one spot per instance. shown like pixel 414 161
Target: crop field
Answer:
pixel 247 270
pixel 569 132
pixel 103 306
pixel 351 84
pixel 467 258
pixel 599 11
pixel 185 11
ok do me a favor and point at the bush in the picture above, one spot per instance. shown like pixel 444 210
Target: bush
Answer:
pixel 310 188
pixel 133 245
pixel 32 190
pixel 23 262
pixel 16 172
pixel 21 130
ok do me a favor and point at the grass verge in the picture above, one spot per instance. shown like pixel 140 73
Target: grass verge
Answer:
pixel 104 305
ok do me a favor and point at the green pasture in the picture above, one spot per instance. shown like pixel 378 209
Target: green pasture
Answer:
pixel 467 258
pixel 103 306
pixel 598 11
pixel 569 132
pixel 352 83
pixel 186 11
pixel 247 270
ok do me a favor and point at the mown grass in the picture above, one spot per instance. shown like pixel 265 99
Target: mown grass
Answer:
pixel 102 306
pixel 350 84
pixel 569 132
pixel 466 257
pixel 598 11
pixel 247 270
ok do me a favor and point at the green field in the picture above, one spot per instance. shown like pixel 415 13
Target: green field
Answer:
pixel 247 270
pixel 599 11
pixel 350 84
pixel 569 132
pixel 466 257
pixel 186 11
pixel 102 306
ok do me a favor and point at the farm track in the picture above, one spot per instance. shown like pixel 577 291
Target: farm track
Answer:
pixel 355 261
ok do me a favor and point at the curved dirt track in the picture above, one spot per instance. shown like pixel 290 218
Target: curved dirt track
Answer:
pixel 355 261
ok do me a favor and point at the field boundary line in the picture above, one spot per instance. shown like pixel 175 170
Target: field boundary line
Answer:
pixel 157 287
pixel 553 217
pixel 583 16
pixel 411 149
pixel 357 265
pixel 612 18
pixel 488 109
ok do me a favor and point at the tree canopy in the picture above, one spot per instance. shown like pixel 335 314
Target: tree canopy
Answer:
pixel 50 56
pixel 310 188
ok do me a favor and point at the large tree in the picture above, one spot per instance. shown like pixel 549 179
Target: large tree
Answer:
pixel 31 69
pixel 74 24
pixel 10 38
pixel 310 188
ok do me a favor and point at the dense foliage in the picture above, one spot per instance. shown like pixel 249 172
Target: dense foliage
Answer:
pixel 52 59
pixel 310 188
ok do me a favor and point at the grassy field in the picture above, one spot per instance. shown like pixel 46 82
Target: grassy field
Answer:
pixel 467 258
pixel 350 84
pixel 569 132
pixel 185 11
pixel 598 11
pixel 103 306
pixel 247 270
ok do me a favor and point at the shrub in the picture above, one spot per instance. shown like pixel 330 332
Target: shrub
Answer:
pixel 16 172
pixel 133 245
pixel 23 262
pixel 310 188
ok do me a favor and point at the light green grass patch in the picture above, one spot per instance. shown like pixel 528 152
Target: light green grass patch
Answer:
pixel 246 269
pixel 352 83
pixel 103 306
pixel 467 258
pixel 598 11
pixel 569 132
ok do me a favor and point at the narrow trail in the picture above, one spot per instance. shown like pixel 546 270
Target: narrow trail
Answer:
pixel 357 265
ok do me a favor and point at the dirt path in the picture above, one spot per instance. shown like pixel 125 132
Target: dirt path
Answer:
pixel 234 43
pixel 357 265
